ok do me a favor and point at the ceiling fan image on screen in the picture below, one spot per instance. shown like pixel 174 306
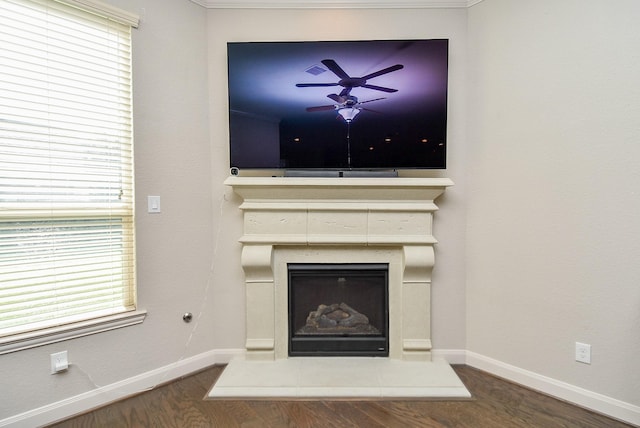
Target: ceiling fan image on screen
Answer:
pixel 348 82
pixel 343 102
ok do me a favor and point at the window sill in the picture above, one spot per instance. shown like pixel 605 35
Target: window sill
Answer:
pixel 51 335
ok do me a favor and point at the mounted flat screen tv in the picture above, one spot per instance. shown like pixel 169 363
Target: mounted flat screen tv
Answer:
pixel 338 105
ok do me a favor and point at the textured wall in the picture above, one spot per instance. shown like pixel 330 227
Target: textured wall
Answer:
pixel 174 248
pixel 553 206
pixel 344 24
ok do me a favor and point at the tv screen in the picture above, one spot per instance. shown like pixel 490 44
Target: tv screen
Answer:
pixel 338 105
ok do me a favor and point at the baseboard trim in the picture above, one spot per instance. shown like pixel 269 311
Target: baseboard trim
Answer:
pixel 452 356
pixel 581 397
pixel 117 391
pixel 102 396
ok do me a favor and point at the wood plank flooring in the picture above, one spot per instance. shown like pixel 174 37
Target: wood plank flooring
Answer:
pixel 495 403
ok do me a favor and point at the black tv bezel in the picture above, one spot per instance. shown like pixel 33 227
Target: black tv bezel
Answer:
pixel 341 170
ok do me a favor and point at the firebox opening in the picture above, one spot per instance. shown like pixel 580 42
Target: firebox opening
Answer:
pixel 338 309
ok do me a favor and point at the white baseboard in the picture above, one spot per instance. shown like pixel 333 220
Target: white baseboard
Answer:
pixel 591 400
pixel 117 391
pixel 452 356
pixel 102 396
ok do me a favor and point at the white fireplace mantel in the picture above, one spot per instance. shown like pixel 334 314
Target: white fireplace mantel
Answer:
pixel 338 220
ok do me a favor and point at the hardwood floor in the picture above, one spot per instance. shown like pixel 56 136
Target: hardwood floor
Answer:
pixel 495 403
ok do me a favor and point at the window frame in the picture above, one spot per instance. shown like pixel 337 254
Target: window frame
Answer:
pixel 88 324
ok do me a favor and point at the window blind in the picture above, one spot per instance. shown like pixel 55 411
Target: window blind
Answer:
pixel 66 166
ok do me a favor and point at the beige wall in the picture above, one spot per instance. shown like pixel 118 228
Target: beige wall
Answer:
pixel 173 160
pixel 553 177
pixel 336 24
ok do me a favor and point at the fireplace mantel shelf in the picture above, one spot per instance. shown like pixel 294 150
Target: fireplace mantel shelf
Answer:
pixel 370 211
pixel 338 220
pixel 313 188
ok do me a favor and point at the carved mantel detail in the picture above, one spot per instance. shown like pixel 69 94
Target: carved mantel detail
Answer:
pixel 338 220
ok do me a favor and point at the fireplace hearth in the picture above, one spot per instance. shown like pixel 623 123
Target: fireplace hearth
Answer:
pixel 338 309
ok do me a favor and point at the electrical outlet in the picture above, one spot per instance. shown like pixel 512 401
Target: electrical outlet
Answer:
pixel 583 353
pixel 59 362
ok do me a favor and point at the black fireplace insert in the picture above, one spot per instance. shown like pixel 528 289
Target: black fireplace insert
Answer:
pixel 338 309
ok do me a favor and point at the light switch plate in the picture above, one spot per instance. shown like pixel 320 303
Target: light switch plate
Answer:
pixel 153 204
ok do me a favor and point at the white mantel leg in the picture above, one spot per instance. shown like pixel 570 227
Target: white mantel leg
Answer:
pixel 416 302
pixel 260 294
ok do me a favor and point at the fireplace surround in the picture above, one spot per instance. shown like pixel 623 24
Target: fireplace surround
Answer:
pixel 305 220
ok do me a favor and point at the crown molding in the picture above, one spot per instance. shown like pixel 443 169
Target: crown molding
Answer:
pixel 103 9
pixel 335 4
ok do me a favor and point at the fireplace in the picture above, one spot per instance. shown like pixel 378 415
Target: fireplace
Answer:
pixel 313 222
pixel 338 309
pixel 330 233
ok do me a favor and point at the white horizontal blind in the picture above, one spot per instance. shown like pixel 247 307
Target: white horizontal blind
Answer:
pixel 66 166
